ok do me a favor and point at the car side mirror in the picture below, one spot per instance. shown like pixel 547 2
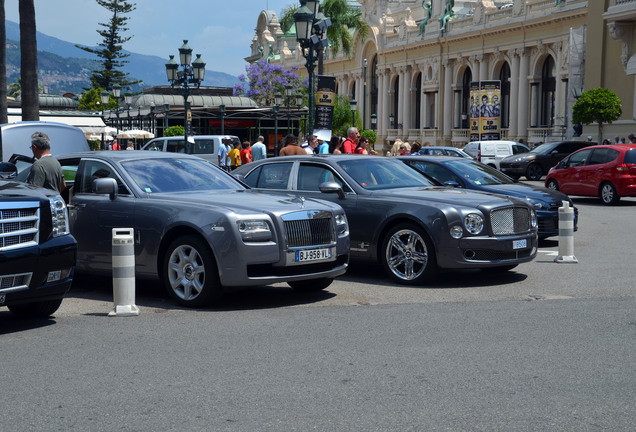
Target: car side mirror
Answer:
pixel 332 187
pixel 105 186
pixel 452 183
pixel 8 170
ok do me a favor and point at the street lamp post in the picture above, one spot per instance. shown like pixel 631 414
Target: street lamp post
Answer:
pixel 222 110
pixel 374 121
pixel 128 99
pixel 192 72
pixel 353 104
pixel 105 97
pixel 166 111
pixel 364 96
pixel 311 34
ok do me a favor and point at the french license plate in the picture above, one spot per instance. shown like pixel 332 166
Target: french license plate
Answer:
pixel 54 276
pixel 519 244
pixel 313 255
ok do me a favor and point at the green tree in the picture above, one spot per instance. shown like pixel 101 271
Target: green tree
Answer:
pixel 92 101
pixel 599 105
pixel 342 116
pixel 4 116
pixel 111 51
pixel 29 62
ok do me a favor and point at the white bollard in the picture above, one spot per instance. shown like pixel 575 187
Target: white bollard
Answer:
pixel 566 235
pixel 124 273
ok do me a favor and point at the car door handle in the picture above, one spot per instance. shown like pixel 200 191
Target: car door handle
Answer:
pixel 72 206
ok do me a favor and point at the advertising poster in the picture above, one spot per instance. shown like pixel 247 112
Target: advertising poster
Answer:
pixel 475 115
pixel 489 110
pixel 325 101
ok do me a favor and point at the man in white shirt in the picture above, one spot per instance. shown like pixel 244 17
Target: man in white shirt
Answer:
pixel 259 151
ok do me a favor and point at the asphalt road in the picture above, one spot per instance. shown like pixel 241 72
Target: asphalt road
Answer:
pixel 545 347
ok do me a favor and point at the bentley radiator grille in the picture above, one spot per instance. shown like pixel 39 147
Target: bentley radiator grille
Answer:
pixel 511 220
pixel 19 225
pixel 309 232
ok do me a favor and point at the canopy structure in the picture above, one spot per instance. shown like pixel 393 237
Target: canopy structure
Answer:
pixel 136 134
pixel 86 121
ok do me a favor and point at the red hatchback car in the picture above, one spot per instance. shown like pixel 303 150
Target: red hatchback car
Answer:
pixel 604 171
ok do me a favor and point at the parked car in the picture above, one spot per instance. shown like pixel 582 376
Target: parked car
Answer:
pixel 197 228
pixel 539 160
pixel 473 175
pixel 204 146
pixel 15 138
pixel 402 221
pixel 492 152
pixel 444 151
pixel 37 252
pixel 605 171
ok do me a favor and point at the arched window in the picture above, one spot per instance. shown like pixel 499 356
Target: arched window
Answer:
pixel 548 88
pixel 468 77
pixel 504 77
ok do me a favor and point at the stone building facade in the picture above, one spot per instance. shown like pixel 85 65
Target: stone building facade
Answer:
pixel 414 69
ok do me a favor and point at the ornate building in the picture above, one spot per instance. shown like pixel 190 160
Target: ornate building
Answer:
pixel 414 69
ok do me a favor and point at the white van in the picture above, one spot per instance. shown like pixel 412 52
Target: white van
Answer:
pixel 492 152
pixel 204 146
pixel 15 138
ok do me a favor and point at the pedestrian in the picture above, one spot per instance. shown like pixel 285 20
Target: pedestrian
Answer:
pixel 46 171
pixel 606 142
pixel 415 149
pixel 224 149
pixel 115 146
pixel 361 148
pixel 350 144
pixel 334 144
pixel 323 147
pixel 617 140
pixel 589 138
pixel 246 153
pixel 130 146
pixel 312 145
pixel 259 150
pixel 235 156
pixel 291 147
pixel 396 148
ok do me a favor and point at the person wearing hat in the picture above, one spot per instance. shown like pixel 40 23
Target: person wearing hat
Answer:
pixel 589 138
pixel 224 149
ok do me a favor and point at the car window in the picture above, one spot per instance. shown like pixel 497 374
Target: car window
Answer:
pixel 176 146
pixel 630 157
pixel 477 174
pixel 435 171
pixel 94 169
pixel 602 155
pixel 311 176
pixel 517 148
pixel 203 146
pixel 178 175
pixel 382 173
pixel 578 158
pixel 155 146
pixel 270 176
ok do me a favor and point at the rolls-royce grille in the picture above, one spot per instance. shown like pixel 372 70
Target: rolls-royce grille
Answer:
pixel 19 226
pixel 309 232
pixel 510 220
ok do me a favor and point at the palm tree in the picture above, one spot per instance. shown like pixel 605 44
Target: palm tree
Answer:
pixel 4 118
pixel 29 62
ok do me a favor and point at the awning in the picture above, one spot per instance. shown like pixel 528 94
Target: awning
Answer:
pixel 87 123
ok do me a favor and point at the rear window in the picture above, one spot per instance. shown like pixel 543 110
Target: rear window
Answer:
pixel 630 157
pixel 603 155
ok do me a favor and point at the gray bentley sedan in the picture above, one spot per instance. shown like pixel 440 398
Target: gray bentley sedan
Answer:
pixel 197 228
pixel 402 220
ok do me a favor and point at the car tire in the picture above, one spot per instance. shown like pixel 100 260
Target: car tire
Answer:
pixel 41 309
pixel 311 285
pixel 552 185
pixel 534 172
pixel 189 273
pixel 608 194
pixel 407 255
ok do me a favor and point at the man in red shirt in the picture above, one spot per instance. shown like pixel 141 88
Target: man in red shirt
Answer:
pixel 349 145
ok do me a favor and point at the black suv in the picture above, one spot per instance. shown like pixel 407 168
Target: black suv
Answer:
pixel 37 251
pixel 539 160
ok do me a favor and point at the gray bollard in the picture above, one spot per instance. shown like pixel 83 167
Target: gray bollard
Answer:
pixel 124 273
pixel 566 235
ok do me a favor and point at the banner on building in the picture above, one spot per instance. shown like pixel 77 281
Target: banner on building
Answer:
pixel 485 110
pixel 325 102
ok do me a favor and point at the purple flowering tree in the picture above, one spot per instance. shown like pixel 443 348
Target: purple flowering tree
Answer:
pixel 263 80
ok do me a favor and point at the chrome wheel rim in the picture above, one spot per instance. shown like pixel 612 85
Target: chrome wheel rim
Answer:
pixel 407 255
pixel 552 186
pixel 186 272
pixel 607 192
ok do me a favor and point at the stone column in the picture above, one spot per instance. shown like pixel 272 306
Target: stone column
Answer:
pixel 514 95
pixel 406 102
pixel 399 114
pixel 483 68
pixel 534 105
pixel 448 102
pixel 380 109
pixel 385 103
pixel 522 121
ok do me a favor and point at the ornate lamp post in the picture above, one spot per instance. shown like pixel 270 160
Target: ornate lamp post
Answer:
pixel 105 97
pixel 353 104
pixel 128 99
pixel 374 121
pixel 391 121
pixel 311 34
pixel 191 73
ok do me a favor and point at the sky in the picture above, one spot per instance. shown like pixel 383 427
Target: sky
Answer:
pixel 220 30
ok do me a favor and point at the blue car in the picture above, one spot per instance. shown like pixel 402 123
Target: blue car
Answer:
pixel 473 175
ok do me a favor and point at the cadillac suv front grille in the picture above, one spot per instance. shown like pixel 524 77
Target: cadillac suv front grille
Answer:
pixel 510 220
pixel 19 225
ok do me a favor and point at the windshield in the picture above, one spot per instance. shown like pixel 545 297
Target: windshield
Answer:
pixel 178 175
pixel 476 173
pixel 543 148
pixel 382 173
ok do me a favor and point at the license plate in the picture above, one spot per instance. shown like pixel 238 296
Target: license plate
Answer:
pixel 519 244
pixel 313 255
pixel 54 276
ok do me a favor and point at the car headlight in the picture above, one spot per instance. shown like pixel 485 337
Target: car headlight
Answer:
pixel 341 223
pixel 59 217
pixel 474 223
pixel 533 219
pixel 254 230
pixel 456 232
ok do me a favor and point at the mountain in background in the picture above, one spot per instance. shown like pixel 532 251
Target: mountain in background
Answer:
pixel 64 68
